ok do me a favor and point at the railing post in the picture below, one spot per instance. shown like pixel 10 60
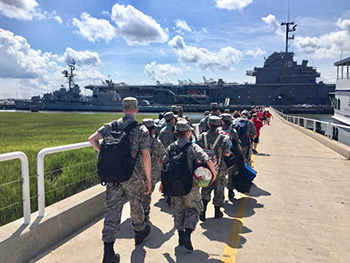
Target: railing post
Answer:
pixel 25 181
pixel 314 126
pixel 41 183
pixel 305 123
pixel 40 170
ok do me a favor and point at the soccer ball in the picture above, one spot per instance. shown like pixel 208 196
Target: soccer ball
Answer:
pixel 202 176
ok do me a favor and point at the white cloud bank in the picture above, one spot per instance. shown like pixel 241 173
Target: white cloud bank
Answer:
pixel 328 45
pixel 41 72
pixel 94 29
pixel 233 4
pixel 182 25
pixel 132 25
pixel 201 57
pixel 26 10
pixel 161 72
pixel 258 52
pixel 325 46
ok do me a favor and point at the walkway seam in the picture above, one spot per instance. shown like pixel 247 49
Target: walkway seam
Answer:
pixel 234 237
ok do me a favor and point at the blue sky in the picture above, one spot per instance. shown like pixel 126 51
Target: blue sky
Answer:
pixel 139 42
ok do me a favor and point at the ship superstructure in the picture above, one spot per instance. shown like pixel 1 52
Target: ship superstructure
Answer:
pixel 342 91
pixel 281 81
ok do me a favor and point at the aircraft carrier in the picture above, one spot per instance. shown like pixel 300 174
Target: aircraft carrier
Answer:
pixel 281 81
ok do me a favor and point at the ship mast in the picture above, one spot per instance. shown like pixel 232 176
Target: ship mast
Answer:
pixel 70 76
pixel 290 27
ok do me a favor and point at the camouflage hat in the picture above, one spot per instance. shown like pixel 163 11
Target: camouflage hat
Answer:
pixel 214 120
pixel 169 116
pixel 214 105
pixel 130 103
pixel 226 117
pixel 245 112
pixel 182 126
pixel 175 109
pixel 149 123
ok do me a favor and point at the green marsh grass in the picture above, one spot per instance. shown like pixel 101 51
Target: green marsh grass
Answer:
pixel 66 173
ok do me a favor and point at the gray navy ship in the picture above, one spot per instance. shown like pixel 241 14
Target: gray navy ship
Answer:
pixel 281 81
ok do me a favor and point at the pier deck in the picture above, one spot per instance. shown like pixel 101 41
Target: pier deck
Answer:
pixel 297 211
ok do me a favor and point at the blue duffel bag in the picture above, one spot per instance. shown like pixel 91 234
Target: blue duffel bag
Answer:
pixel 249 172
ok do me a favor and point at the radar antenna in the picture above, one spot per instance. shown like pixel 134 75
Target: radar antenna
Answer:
pixel 290 27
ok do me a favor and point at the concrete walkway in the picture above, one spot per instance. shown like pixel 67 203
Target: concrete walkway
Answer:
pixel 298 211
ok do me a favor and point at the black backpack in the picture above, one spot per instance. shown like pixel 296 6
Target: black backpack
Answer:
pixel 115 164
pixel 177 179
pixel 241 127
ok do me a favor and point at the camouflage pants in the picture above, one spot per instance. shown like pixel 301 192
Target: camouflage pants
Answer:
pixel 231 172
pixel 146 201
pixel 247 152
pixel 116 196
pixel 219 187
pixel 187 209
pixel 155 178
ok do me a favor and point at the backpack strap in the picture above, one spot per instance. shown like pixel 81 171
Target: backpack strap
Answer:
pixel 205 140
pixel 131 126
pixel 216 141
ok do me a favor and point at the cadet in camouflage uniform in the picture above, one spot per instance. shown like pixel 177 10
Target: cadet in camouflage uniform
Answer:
pixel 157 152
pixel 202 123
pixel 187 208
pixel 235 147
pixel 131 191
pixel 251 131
pixel 221 149
pixel 166 135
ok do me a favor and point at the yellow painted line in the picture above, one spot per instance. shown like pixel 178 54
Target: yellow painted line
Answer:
pixel 234 237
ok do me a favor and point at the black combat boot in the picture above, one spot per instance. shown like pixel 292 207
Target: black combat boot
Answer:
pixel 202 215
pixel 218 213
pixel 181 237
pixel 187 239
pixel 146 217
pixel 109 256
pixel 168 200
pixel 231 194
pixel 141 235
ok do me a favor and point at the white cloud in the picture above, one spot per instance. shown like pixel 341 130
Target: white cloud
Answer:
pixel 94 29
pixel 328 45
pixel 181 24
pixel 19 60
pixel 26 10
pixel 233 4
pixel 41 72
pixel 19 9
pixel 161 72
pixel 258 52
pixel 136 27
pixel 273 22
pixel 201 57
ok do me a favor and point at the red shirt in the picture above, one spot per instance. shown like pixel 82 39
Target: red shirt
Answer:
pixel 258 124
pixel 260 115
pixel 268 114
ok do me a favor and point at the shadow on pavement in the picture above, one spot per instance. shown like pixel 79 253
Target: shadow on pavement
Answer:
pixel 155 239
pixel 183 255
pixel 163 205
pixel 255 191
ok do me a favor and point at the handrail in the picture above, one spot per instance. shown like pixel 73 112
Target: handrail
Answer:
pixel 25 181
pixel 40 170
pixel 328 132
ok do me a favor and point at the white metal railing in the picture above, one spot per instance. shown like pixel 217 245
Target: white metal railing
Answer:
pixel 302 121
pixel 25 181
pixel 40 169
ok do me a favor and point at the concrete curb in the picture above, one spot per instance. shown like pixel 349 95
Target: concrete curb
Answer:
pixel 21 243
pixel 338 147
